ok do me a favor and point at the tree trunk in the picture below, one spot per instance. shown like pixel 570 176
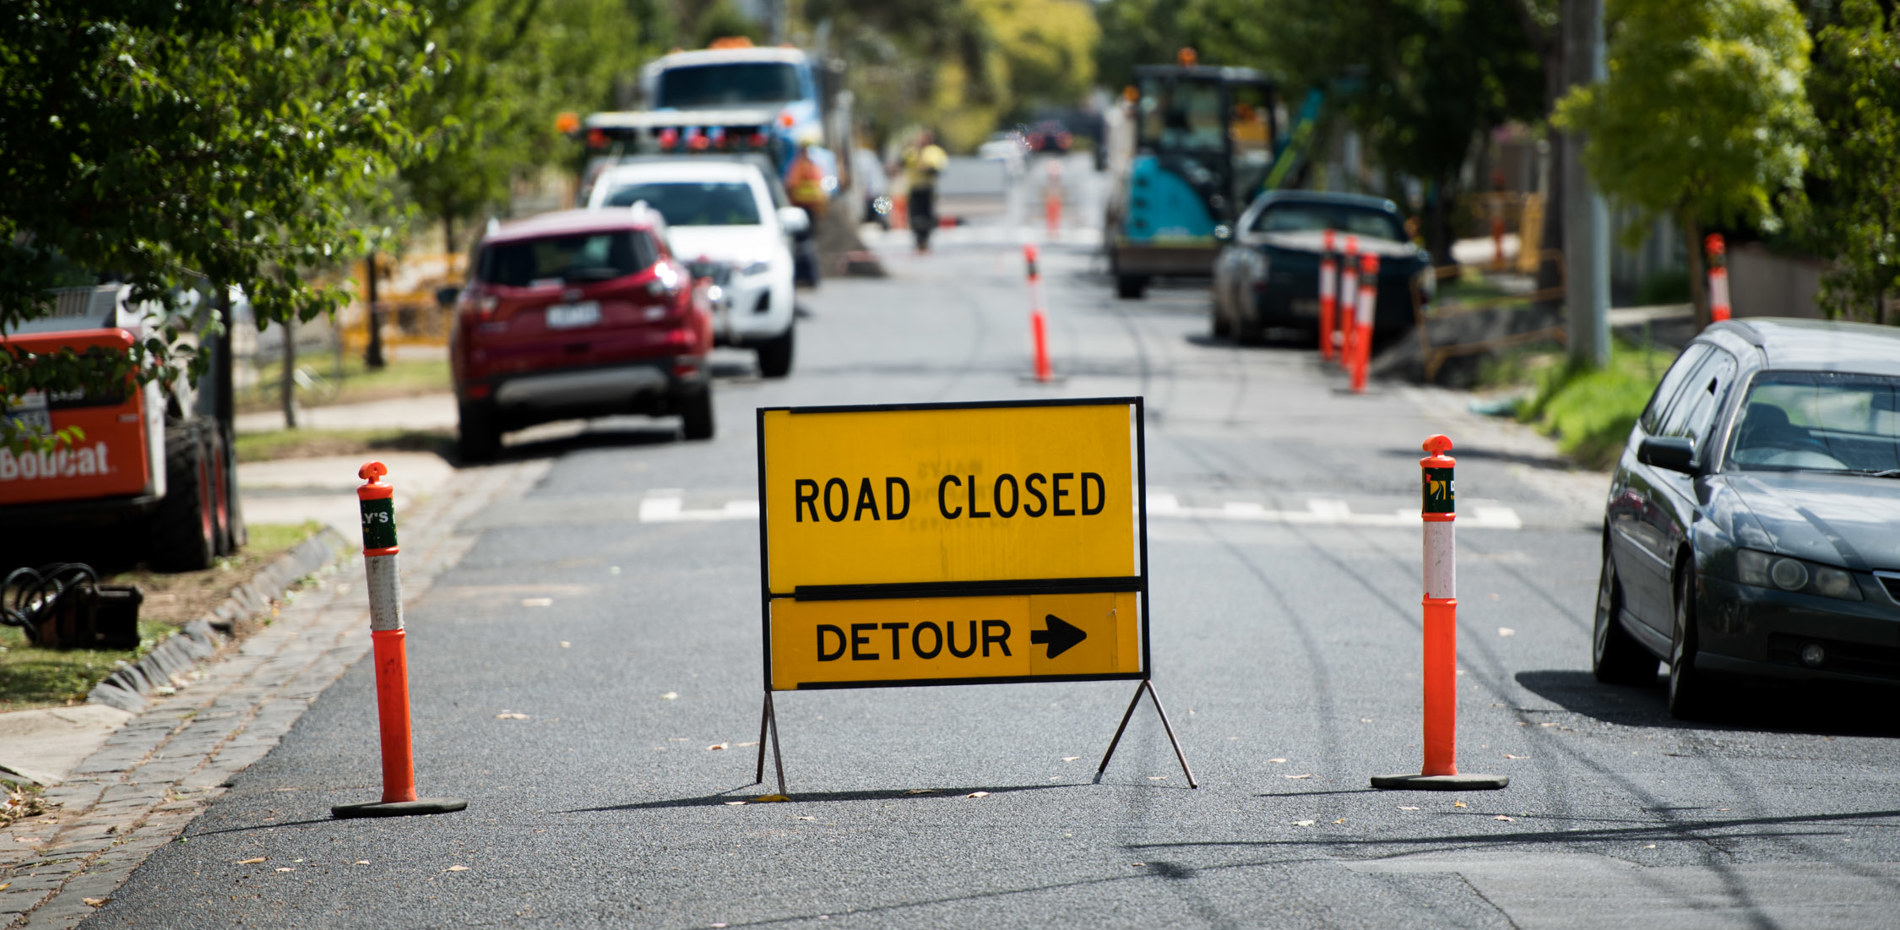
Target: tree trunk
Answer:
pixel 373 352
pixel 1698 272
pixel 448 236
pixel 1438 235
pixel 289 380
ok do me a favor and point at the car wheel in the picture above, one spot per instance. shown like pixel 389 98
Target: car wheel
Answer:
pixel 1247 327
pixel 184 534
pixel 478 436
pixel 775 355
pixel 1130 286
pixel 217 463
pixel 696 415
pixel 1615 656
pixel 1690 694
pixel 1217 313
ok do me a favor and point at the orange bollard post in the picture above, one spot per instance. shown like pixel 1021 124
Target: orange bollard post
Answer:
pixel 376 500
pixel 1718 277
pixel 1348 298
pixel 1038 327
pixel 900 211
pixel 1362 321
pixel 1438 511
pixel 1328 293
pixel 1052 213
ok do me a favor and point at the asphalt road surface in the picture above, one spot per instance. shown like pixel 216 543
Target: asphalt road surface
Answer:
pixel 590 682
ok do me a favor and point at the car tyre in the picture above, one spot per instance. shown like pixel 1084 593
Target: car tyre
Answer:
pixel 478 435
pixel 1247 327
pixel 184 534
pixel 218 464
pixel 1690 693
pixel 1615 656
pixel 775 355
pixel 696 415
pixel 1130 286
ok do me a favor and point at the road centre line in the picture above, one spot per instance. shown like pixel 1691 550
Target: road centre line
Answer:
pixel 668 505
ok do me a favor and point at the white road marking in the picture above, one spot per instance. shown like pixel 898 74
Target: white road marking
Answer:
pixel 669 506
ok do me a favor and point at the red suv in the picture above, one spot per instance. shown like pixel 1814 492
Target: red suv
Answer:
pixel 576 314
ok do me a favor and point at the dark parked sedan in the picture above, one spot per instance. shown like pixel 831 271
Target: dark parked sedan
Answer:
pixel 1752 524
pixel 1268 274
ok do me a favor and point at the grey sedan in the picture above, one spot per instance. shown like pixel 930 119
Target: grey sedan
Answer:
pixel 1751 526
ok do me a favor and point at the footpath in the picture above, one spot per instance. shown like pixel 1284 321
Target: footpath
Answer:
pixel 124 784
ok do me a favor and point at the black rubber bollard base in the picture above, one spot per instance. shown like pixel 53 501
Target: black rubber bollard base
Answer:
pixel 1440 782
pixel 398 808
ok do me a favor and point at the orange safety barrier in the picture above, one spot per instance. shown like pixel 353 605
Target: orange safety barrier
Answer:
pixel 1328 294
pixel 1038 326
pixel 376 500
pixel 1718 277
pixel 1437 510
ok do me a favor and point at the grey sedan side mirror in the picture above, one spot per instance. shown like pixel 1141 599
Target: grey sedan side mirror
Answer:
pixel 1673 453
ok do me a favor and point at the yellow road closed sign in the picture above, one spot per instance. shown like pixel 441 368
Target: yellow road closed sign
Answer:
pixel 953 543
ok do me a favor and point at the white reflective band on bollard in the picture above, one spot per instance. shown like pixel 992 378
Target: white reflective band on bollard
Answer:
pixel 385 592
pixel 1441 572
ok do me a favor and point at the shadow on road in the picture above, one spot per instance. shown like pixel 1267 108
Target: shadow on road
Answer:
pixel 733 796
pixel 1820 709
pixel 592 435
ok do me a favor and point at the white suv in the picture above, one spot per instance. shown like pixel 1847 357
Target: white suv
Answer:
pixel 722 222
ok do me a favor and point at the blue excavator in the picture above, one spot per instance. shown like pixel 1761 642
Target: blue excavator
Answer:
pixel 1206 140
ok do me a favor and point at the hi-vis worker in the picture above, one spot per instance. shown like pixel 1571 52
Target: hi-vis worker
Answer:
pixel 805 181
pixel 922 164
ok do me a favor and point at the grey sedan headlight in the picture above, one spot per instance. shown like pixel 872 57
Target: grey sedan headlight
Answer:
pixel 756 268
pixel 1779 571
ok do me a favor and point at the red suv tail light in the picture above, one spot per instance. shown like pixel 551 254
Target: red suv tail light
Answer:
pixel 478 302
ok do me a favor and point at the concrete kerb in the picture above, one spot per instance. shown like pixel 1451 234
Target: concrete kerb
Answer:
pixel 162 767
pixel 168 665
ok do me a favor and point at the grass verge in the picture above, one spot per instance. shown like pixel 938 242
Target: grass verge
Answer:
pixel 356 384
pixel 310 443
pixel 32 677
pixel 1588 411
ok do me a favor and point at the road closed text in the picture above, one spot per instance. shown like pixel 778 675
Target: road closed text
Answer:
pixel 976 494
pixel 958 497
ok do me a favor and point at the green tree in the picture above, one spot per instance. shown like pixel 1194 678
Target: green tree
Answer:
pixel 1429 79
pixel 1855 208
pixel 1703 117
pixel 168 143
pixel 911 60
pixel 514 64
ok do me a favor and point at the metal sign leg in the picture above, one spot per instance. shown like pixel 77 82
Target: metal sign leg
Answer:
pixel 768 722
pixel 1165 725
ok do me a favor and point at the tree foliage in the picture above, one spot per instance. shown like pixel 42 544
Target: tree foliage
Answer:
pixel 1703 117
pixel 168 143
pixel 1855 216
pixel 513 65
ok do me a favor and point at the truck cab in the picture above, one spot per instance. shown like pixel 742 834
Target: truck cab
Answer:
pixel 735 75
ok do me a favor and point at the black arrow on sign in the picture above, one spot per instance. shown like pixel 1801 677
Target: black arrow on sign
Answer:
pixel 1060 636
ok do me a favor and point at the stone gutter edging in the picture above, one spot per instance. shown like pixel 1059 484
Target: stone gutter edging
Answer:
pixel 168 666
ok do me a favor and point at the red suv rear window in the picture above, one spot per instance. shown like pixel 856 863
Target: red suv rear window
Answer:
pixel 578 258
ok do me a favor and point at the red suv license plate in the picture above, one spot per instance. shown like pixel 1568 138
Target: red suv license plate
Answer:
pixel 573 316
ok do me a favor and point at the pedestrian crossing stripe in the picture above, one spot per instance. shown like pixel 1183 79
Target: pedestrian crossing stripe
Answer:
pixel 669 506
